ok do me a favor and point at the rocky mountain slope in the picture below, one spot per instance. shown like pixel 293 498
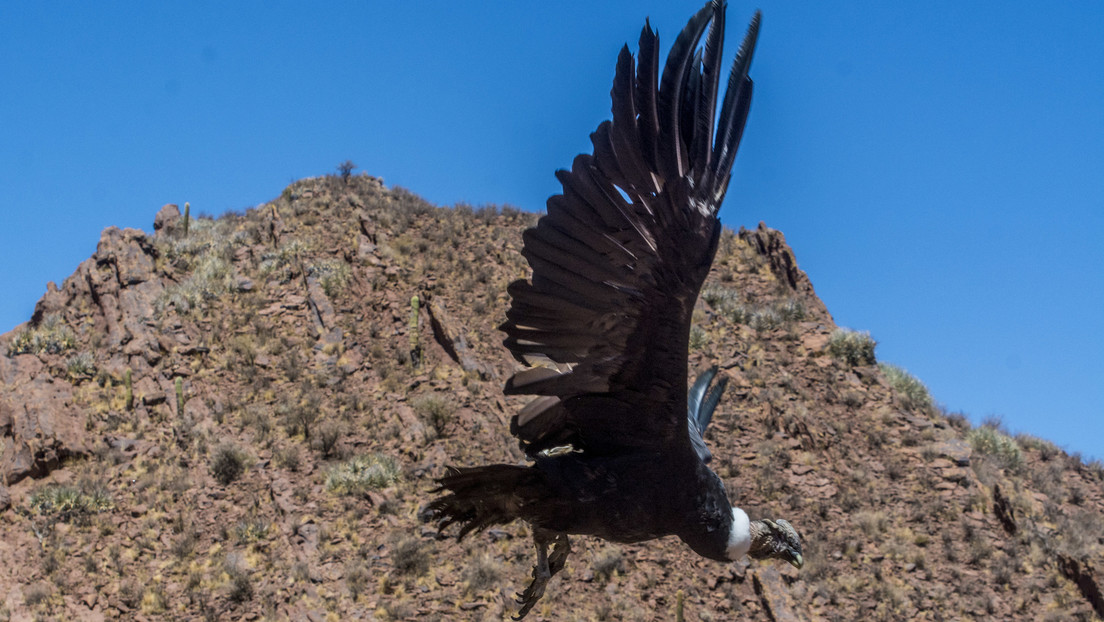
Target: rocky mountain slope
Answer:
pixel 240 418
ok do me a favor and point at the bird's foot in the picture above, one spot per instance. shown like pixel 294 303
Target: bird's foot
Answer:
pixel 533 593
pixel 545 568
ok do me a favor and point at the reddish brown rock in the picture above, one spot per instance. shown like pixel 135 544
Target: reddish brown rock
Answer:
pixel 39 425
pixel 1087 579
pixel 165 222
pixel 773 592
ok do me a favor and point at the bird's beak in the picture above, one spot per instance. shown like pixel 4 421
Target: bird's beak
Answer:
pixel 797 560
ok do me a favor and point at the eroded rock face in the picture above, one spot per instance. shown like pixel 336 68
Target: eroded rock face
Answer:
pixel 39 425
pixel 166 220
pixel 774 594
pixel 111 294
pixel 1087 579
pixel 771 244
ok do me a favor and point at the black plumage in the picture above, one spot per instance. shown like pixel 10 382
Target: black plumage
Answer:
pixel 604 321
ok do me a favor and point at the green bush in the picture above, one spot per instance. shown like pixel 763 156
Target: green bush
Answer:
pixel 228 463
pixel 71 504
pixel 727 302
pixel 239 582
pixel 698 338
pixel 435 410
pixel 207 252
pixel 333 274
pixel 410 557
pixel 328 436
pixel 213 276
pixel 51 336
pixel 80 365
pixel 992 442
pixel 608 563
pixel 300 417
pixel 363 473
pixel 251 530
pixel 852 347
pixel 480 574
pixel 911 392
pixel 283 263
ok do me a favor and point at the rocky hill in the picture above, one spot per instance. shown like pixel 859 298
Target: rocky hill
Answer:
pixel 240 418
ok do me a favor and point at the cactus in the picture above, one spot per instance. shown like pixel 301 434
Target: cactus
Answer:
pixel 179 397
pixel 187 216
pixel 680 600
pixel 412 332
pixel 128 380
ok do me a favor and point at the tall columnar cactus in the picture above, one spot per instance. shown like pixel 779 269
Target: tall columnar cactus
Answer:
pixel 187 216
pixel 129 381
pixel 680 603
pixel 179 397
pixel 412 332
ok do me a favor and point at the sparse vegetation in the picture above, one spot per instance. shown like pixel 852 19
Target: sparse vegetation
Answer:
pixel 299 417
pixel 332 274
pixel 228 463
pixel 206 254
pixel 212 277
pixel 409 557
pixel 852 347
pixel 80 365
pixel 436 410
pixel 239 583
pixel 51 336
pixel 329 434
pixel 363 473
pixel 287 458
pixel 761 317
pixel 996 444
pixel 608 562
pixel 481 574
pixel 251 530
pixel 71 503
pixel 698 338
pixel 357 577
pixel 284 263
pixel 911 393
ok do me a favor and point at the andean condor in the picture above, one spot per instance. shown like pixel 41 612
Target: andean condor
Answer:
pixel 603 327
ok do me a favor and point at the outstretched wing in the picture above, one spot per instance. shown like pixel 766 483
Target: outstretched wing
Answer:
pixel 621 255
pixel 700 405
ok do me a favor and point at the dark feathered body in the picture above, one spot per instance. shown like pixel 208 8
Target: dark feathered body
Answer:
pixel 629 498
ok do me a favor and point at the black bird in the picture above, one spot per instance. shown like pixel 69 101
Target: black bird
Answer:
pixel 604 322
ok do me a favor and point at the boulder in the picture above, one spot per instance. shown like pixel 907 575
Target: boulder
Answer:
pixel 166 220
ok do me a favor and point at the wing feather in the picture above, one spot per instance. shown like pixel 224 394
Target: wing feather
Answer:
pixel 620 257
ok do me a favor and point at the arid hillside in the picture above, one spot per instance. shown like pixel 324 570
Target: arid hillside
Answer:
pixel 241 417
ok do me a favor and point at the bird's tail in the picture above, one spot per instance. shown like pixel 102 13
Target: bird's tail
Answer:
pixel 479 497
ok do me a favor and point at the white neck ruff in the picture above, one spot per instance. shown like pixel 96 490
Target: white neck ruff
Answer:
pixel 739 538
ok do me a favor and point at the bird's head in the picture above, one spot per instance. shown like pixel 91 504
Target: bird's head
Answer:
pixel 775 539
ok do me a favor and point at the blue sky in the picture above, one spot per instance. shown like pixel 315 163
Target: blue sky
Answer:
pixel 938 167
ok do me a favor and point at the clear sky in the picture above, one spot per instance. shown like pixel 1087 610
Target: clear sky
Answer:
pixel 938 167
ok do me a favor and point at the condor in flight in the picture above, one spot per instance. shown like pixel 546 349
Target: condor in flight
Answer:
pixel 603 327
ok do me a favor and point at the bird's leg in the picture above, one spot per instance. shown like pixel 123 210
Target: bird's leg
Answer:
pixel 543 571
